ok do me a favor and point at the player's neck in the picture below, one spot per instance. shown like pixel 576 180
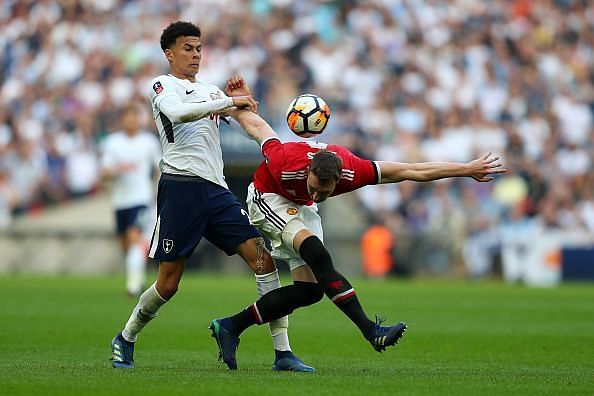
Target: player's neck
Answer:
pixel 182 76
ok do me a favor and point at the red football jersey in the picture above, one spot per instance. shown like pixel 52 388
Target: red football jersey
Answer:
pixel 286 165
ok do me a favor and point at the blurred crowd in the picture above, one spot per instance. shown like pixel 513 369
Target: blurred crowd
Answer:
pixel 407 80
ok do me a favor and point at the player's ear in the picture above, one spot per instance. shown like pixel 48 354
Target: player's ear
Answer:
pixel 168 54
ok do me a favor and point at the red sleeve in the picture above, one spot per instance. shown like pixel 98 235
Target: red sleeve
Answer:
pixel 356 172
pixel 274 154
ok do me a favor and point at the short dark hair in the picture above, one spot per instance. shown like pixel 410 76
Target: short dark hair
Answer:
pixel 178 29
pixel 327 166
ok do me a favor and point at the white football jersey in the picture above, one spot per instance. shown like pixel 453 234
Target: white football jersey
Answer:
pixel 140 155
pixel 189 148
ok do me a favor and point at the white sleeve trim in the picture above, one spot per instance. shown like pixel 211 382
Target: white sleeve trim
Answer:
pixel 379 172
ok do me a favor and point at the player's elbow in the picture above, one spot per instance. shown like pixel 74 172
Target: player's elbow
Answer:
pixel 177 116
pixel 172 115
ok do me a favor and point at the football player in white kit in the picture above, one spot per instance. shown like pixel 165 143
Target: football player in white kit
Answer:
pixel 131 158
pixel 193 200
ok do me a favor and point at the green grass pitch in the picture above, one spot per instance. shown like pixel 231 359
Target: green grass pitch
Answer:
pixel 463 338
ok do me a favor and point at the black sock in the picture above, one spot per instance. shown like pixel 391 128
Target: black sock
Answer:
pixel 275 304
pixel 341 293
pixel 336 287
pixel 237 323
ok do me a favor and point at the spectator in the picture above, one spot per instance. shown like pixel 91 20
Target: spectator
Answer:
pixel 423 80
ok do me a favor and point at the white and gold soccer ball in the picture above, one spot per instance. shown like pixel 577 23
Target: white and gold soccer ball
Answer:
pixel 308 115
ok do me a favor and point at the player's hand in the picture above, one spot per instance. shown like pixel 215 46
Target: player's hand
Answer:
pixel 237 86
pixel 482 167
pixel 245 102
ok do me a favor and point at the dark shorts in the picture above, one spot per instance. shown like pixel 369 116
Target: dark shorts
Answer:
pixel 189 208
pixel 128 218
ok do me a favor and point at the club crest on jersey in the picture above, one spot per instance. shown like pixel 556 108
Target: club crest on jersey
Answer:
pixel 292 211
pixel 167 245
pixel 157 87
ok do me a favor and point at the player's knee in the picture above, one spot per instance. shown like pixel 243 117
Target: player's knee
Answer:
pixel 314 253
pixel 263 263
pixel 309 292
pixel 167 291
pixel 167 287
pixel 257 256
pixel 133 235
pixel 269 264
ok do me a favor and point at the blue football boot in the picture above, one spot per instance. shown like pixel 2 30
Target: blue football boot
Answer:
pixel 122 352
pixel 287 361
pixel 385 336
pixel 227 343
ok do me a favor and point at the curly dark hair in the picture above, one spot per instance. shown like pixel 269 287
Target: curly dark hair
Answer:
pixel 178 29
pixel 327 166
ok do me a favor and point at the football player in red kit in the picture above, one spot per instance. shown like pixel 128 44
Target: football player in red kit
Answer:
pixel 282 203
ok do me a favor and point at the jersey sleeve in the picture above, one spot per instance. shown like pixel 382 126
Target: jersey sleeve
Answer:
pixel 161 88
pixel 356 172
pixel 274 154
pixel 166 99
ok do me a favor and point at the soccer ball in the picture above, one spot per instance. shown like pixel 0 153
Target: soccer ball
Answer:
pixel 308 115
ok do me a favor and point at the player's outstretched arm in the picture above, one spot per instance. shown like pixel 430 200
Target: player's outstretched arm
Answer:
pixel 479 169
pixel 253 125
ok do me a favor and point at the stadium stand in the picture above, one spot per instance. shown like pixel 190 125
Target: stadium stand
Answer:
pixel 419 80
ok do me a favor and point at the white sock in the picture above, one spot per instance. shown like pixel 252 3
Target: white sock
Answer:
pixel 150 301
pixel 278 327
pixel 135 269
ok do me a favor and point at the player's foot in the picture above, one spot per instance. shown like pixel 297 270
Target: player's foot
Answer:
pixel 287 361
pixel 385 336
pixel 122 351
pixel 227 343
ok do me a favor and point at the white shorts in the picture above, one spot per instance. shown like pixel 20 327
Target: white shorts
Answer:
pixel 280 220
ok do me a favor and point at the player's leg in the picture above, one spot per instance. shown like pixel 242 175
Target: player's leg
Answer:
pixel 275 304
pixel 336 287
pixel 285 359
pixel 233 226
pixel 270 213
pixel 146 310
pixel 254 253
pixel 178 230
pixel 154 297
pixel 257 213
pixel 123 241
pixel 339 290
pixel 123 222
pixel 135 261
pixel 279 327
pixel 168 277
